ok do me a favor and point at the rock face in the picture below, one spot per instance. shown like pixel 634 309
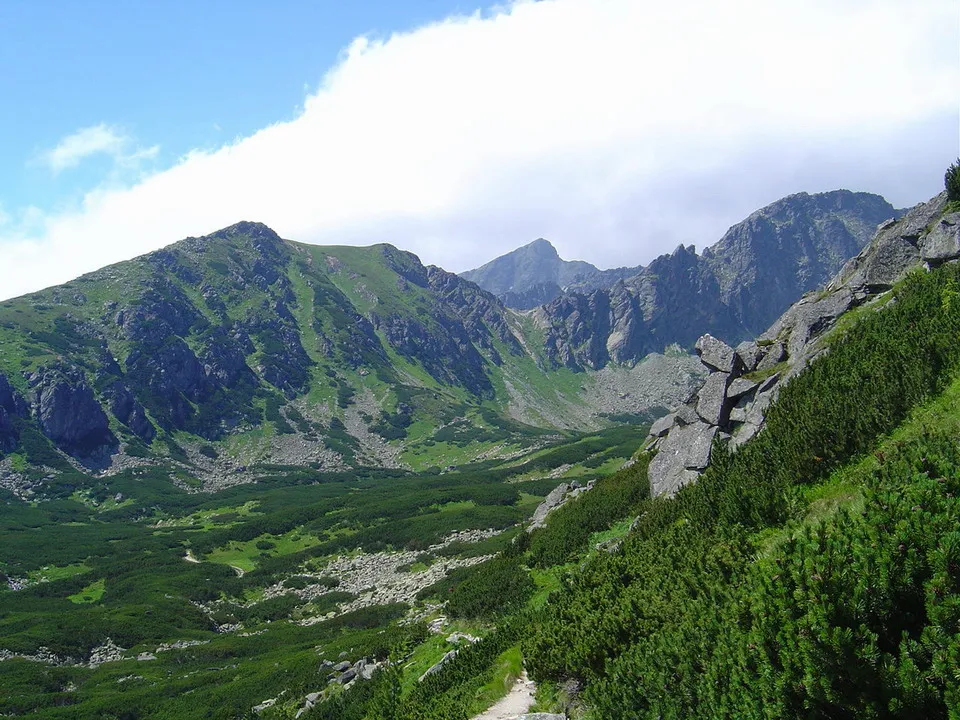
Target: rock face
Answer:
pixel 733 290
pixel 69 413
pixel 12 406
pixel 742 383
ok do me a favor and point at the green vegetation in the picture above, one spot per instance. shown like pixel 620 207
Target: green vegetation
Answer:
pixel 727 619
pixel 133 571
pixel 951 181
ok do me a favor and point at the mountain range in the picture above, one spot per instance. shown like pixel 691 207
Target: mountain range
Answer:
pixel 238 348
pixel 733 290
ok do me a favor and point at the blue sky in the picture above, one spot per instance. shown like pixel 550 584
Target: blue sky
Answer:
pixel 178 75
pixel 617 129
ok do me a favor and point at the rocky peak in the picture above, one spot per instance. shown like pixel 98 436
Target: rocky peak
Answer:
pixel 530 274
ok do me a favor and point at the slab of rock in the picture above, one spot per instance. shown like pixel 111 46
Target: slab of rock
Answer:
pixel 715 354
pixel 686 415
pixel 683 453
pixel 662 426
pixel 439 666
pixel 553 500
pixel 943 241
pixel 711 401
pixel 740 386
pixel 68 412
pixel 773 354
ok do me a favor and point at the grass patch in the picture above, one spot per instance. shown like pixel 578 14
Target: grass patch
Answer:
pixel 92 593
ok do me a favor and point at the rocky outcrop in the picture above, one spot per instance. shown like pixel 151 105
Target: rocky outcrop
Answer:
pixel 556 498
pixel 742 383
pixel 128 410
pixel 68 411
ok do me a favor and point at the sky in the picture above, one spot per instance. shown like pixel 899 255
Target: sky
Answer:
pixel 617 129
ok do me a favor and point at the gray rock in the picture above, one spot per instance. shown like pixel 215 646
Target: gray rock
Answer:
pixel 553 500
pixel 341 666
pixel 773 354
pixel 439 666
pixel 711 401
pixel 943 241
pixel 684 452
pixel 12 406
pixel 68 412
pixel 345 677
pixel 313 697
pixel 886 262
pixel 749 354
pixel 740 387
pixel 715 354
pixel 542 716
pixel 686 415
pixel 742 434
pixel 662 426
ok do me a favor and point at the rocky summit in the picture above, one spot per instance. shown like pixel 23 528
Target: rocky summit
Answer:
pixel 733 290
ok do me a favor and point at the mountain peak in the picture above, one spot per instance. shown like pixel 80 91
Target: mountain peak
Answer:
pixel 541 247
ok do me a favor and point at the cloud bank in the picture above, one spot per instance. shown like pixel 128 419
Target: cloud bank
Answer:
pixel 615 128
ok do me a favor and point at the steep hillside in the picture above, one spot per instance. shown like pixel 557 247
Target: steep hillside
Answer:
pixel 743 382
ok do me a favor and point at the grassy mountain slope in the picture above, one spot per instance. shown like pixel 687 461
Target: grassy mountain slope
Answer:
pixel 222 352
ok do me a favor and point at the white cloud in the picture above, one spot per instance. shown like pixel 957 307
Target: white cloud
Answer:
pixel 93 140
pixel 99 139
pixel 616 128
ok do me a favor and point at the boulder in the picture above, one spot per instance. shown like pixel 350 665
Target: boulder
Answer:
pixel 686 415
pixel 740 387
pixel 943 241
pixel 439 666
pixel 683 453
pixel 662 426
pixel 711 401
pixel 553 500
pixel 773 354
pixel 345 677
pixel 715 354
pixel 749 354
pixel 889 258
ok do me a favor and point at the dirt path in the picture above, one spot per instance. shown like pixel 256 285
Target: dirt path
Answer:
pixel 517 702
